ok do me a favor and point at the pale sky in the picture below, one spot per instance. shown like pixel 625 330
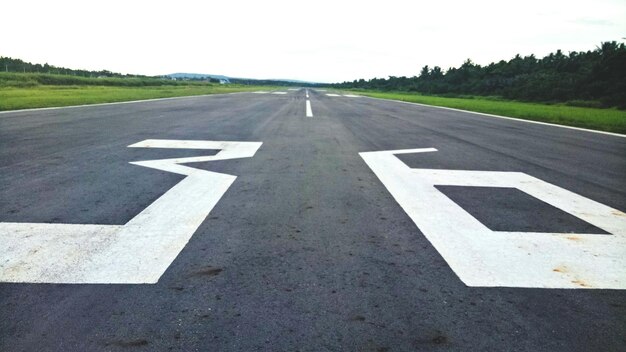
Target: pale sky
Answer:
pixel 316 40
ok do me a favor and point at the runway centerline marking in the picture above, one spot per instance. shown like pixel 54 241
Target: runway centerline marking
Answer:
pixel 487 258
pixel 135 253
pixel 309 112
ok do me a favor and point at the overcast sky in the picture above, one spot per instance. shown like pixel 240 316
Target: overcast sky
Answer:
pixel 317 40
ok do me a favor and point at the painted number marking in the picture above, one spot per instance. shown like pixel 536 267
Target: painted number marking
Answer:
pixel 482 257
pixel 139 251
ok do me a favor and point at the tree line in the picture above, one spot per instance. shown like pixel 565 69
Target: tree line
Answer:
pixel 593 78
pixel 8 64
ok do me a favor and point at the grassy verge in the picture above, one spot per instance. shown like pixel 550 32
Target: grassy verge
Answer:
pixel 40 90
pixel 610 120
pixel 52 96
pixel 12 98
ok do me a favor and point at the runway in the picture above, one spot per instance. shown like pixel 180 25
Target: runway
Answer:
pixel 307 221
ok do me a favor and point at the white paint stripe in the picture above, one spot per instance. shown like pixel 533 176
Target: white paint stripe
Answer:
pixel 482 257
pixel 226 147
pixel 504 117
pixel 260 92
pixel 309 112
pixel 307 94
pixel 293 89
pixel 279 92
pixel 332 95
pixel 351 96
pixel 139 251
pixel 118 103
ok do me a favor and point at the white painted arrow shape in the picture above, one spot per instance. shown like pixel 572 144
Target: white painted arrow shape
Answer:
pixel 482 257
pixel 139 251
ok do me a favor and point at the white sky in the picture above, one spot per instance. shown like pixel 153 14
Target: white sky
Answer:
pixel 315 40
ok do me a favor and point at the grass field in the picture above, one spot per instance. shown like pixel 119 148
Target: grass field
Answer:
pixel 38 90
pixel 48 96
pixel 610 120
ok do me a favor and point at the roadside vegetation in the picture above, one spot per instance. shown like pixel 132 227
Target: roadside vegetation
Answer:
pixel 38 90
pixel 582 89
pixel 610 120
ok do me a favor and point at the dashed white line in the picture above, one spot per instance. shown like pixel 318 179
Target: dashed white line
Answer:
pixel 307 93
pixel 343 95
pixel 279 92
pixel 309 112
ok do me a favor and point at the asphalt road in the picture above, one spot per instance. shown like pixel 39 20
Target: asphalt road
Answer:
pixel 307 250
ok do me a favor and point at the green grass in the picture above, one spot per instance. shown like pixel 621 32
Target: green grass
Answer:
pixel 40 96
pixel 42 90
pixel 610 120
pixel 27 80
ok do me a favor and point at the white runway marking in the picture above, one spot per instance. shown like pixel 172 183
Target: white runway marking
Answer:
pixel 307 94
pixel 293 89
pixel 309 112
pixel 139 251
pixel 279 92
pixel 482 257
pixel 343 95
pixel 260 92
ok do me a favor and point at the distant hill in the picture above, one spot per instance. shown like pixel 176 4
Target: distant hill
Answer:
pixel 183 75
pixel 295 81
pixel 239 80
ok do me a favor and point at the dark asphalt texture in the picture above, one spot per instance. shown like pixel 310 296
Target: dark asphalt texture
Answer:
pixel 307 251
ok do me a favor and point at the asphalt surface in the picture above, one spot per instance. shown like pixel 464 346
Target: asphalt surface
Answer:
pixel 307 250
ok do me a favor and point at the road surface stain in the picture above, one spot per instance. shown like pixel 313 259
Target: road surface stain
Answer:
pixel 208 271
pixel 580 283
